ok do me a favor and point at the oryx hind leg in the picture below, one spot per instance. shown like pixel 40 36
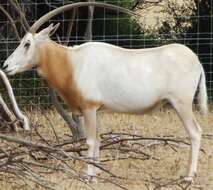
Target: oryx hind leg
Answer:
pixel 185 113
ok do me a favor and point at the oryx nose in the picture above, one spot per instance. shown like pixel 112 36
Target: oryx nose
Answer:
pixel 5 66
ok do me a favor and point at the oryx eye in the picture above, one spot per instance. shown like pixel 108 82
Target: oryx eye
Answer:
pixel 27 45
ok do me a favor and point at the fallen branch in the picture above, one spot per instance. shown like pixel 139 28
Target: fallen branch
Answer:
pixel 23 159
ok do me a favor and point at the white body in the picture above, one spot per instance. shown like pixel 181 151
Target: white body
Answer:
pixel 125 80
pixel 98 75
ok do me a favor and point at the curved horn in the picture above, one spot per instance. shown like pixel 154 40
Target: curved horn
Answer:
pixel 58 10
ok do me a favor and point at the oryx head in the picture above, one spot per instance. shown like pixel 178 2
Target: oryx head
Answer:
pixel 25 55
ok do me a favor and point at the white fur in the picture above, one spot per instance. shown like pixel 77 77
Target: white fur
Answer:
pixel 133 81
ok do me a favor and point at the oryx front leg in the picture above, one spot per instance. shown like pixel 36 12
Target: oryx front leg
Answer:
pixel 92 138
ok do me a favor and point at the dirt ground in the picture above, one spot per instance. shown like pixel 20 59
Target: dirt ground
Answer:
pixel 162 171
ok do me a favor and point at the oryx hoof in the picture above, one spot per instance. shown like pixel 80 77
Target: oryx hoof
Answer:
pixel 189 179
pixel 91 179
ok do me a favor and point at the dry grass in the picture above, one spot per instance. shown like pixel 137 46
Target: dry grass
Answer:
pixel 170 166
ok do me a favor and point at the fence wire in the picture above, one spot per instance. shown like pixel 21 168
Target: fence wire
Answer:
pixel 108 26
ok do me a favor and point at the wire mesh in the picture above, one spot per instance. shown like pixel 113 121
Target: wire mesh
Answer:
pixel 108 26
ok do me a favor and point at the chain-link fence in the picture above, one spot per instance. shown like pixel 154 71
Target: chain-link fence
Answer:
pixel 161 22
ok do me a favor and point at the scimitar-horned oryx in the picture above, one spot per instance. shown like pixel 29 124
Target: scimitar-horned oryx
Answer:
pixel 98 75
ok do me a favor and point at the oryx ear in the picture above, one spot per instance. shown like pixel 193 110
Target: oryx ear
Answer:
pixel 50 30
pixel 54 28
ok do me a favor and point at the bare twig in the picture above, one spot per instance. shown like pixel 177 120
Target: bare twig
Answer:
pixel 52 126
pixel 70 26
pixel 12 22
pixel 18 9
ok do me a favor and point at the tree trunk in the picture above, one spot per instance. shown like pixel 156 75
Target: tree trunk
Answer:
pixel 88 33
pixel 74 123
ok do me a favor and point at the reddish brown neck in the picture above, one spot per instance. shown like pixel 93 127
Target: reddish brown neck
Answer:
pixel 56 67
